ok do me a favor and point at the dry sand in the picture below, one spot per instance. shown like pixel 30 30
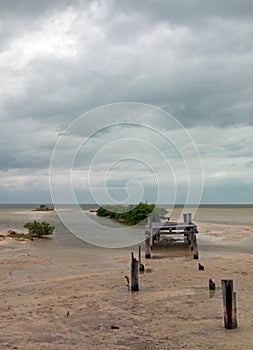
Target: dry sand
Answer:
pixel 63 299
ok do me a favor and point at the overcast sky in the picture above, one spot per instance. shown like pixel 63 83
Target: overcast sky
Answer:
pixel 185 66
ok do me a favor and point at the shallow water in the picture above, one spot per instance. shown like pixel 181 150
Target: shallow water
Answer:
pixel 217 215
pixel 87 228
pixel 106 232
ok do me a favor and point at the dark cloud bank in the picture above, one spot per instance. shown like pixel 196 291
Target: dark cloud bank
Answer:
pixel 59 59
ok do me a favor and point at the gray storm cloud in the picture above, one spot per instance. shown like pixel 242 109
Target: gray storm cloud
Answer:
pixel 59 59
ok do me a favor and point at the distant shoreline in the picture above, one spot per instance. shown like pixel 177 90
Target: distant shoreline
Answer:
pixel 95 206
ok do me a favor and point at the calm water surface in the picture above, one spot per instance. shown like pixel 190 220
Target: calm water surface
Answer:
pixel 14 216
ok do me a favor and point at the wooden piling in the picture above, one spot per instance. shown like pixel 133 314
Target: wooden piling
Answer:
pixel 187 237
pixel 149 239
pixel 150 228
pixel 191 240
pixel 201 267
pixel 134 274
pixel 211 284
pixel 229 304
pixel 195 247
pixel 141 266
pixel 147 245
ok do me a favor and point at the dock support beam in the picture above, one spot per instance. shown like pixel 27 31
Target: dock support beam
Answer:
pixel 195 247
pixel 229 304
pixel 147 245
pixel 149 239
pixel 141 266
pixel 191 240
pixel 134 274
pixel 187 217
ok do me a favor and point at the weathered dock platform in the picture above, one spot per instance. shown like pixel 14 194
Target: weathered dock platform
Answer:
pixel 187 228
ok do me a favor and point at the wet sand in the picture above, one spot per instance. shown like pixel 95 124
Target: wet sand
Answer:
pixel 68 298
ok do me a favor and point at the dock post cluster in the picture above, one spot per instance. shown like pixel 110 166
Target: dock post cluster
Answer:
pixel 155 228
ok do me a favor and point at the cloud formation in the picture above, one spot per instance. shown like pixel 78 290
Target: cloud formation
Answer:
pixel 59 59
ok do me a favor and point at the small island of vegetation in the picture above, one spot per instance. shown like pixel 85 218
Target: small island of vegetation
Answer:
pixel 43 207
pixel 38 229
pixel 132 214
pixel 35 229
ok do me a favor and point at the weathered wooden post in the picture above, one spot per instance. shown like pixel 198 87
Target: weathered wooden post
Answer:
pixel 211 288
pixel 201 267
pixel 191 240
pixel 185 218
pixel 149 238
pixel 134 274
pixel 211 284
pixel 195 247
pixel 150 228
pixel 189 218
pixel 229 304
pixel 187 237
pixel 147 245
pixel 141 266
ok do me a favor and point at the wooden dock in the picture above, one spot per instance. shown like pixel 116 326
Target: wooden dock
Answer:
pixel 186 228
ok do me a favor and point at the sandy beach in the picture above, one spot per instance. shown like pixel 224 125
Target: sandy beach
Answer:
pixel 68 298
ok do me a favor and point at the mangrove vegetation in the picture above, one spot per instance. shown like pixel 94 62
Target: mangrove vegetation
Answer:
pixel 131 214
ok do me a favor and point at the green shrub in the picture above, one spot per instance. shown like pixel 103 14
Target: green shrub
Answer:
pixel 39 229
pixel 131 215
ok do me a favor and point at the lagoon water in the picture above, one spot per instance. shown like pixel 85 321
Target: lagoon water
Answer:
pixel 74 227
pixel 88 228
